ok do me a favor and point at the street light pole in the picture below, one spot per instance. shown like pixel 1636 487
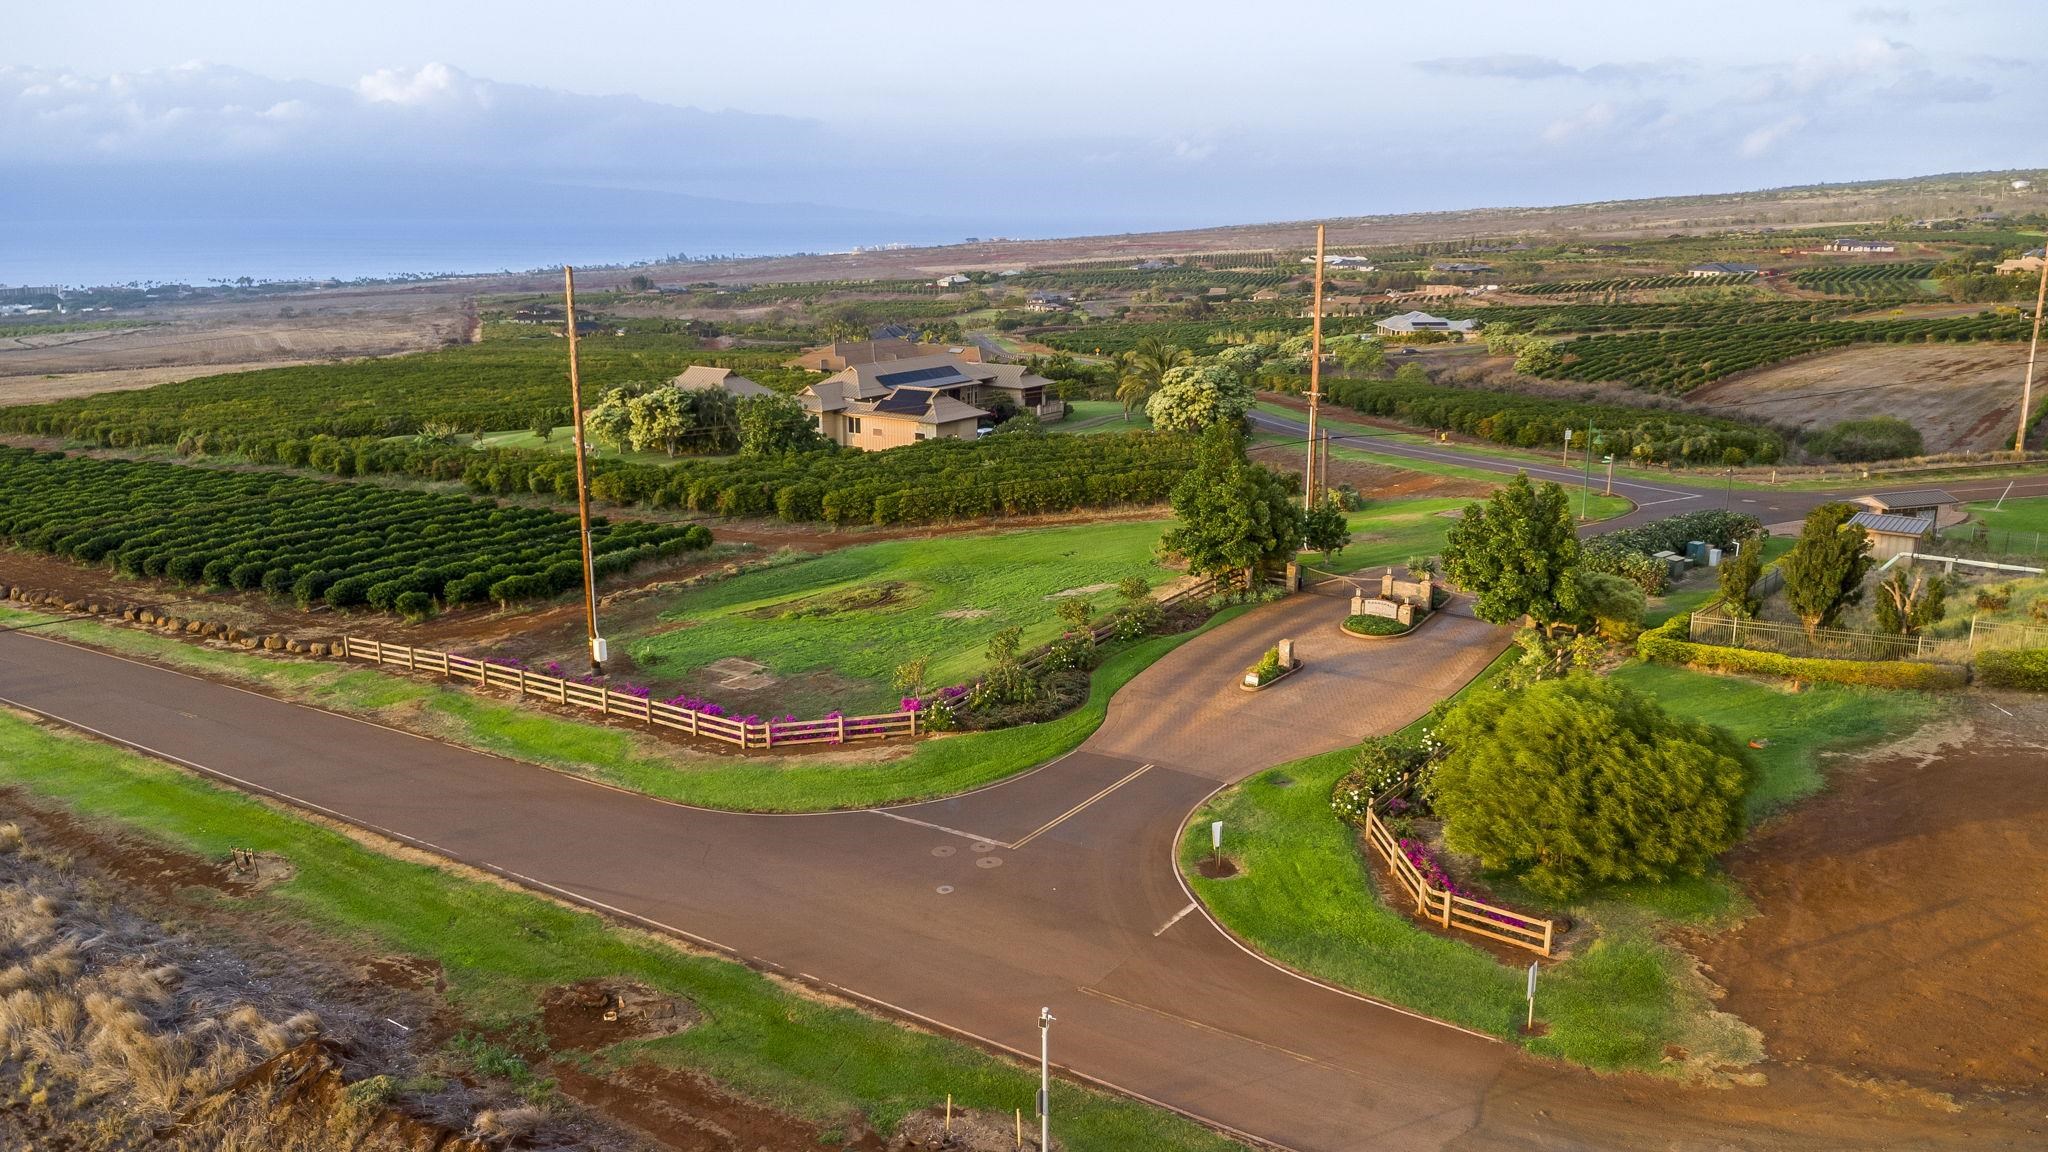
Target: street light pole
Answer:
pixel 597 645
pixel 1315 379
pixel 1045 1019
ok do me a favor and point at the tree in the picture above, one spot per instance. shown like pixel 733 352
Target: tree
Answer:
pixel 1582 781
pixel 610 421
pixel 542 424
pixel 771 425
pixel 1906 604
pixel 1825 569
pixel 1515 552
pixel 1613 603
pixel 1144 366
pixel 1325 527
pixel 662 419
pixel 1361 356
pixel 1739 576
pixel 641 283
pixel 1233 515
pixel 1411 375
pixel 1195 397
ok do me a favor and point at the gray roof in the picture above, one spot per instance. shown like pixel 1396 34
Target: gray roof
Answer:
pixel 1909 498
pixel 1893 525
pixel 698 376
pixel 1423 322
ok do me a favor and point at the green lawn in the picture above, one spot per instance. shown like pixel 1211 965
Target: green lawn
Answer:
pixel 857 613
pixel 2020 527
pixel 622 757
pixel 501 949
pixel 1092 416
pixel 562 440
pixel 1305 897
pixel 1383 534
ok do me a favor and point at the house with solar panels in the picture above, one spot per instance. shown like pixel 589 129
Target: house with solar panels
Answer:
pixel 942 396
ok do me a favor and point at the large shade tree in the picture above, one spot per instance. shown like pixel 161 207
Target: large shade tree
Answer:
pixel 1824 571
pixel 1232 514
pixel 1515 552
pixel 1583 781
pixel 1200 396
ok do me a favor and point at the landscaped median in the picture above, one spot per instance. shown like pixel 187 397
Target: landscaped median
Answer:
pixel 795 1052
pixel 1621 995
pixel 619 756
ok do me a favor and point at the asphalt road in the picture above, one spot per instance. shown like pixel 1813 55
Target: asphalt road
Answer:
pixel 1655 500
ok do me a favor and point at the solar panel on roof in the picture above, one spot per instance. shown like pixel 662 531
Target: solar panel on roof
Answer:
pixel 918 375
pixel 911 401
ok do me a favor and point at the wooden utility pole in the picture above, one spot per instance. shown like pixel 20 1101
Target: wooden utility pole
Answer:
pixel 1315 378
pixel 597 646
pixel 2019 440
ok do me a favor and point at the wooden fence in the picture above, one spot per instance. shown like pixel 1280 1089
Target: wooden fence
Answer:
pixel 1450 909
pixel 602 700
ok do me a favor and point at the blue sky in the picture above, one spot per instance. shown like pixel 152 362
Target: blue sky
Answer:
pixel 1022 119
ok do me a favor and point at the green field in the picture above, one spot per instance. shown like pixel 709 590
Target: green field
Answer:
pixel 562 440
pixel 859 612
pixel 1091 416
pixel 818 1061
pixel 1383 534
pixel 2020 526
pixel 1306 899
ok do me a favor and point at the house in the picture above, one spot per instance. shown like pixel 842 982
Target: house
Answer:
pixel 1429 292
pixel 939 396
pixel 1409 323
pixel 1360 263
pixel 1335 305
pixel 842 354
pixel 892 332
pixel 956 280
pixel 1042 301
pixel 1152 265
pixel 2028 261
pixel 1265 294
pixel 1892 535
pixel 1849 245
pixel 1722 268
pixel 1455 266
pixel 1920 502
pixel 700 376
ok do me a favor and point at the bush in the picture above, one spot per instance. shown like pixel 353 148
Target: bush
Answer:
pixel 2025 668
pixel 1582 781
pixel 1878 438
pixel 414 605
pixel 1376 625
pixel 1667 644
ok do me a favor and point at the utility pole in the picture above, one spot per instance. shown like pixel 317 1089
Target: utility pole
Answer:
pixel 1045 1019
pixel 2019 440
pixel 1315 378
pixel 597 645
pixel 1586 495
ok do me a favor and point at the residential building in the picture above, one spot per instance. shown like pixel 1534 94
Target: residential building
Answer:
pixel 1722 268
pixel 891 403
pixel 1927 503
pixel 1265 294
pixel 1409 323
pixel 700 376
pixel 1429 292
pixel 1358 263
pixel 1335 305
pixel 1043 301
pixel 1458 266
pixel 842 354
pixel 1863 246
pixel 2028 261
pixel 956 280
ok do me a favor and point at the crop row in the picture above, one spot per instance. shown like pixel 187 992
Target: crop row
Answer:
pixel 1824 274
pixel 343 545
pixel 1679 361
pixel 1630 284
pixel 1538 422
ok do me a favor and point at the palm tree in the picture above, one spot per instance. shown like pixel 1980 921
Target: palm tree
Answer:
pixel 1144 367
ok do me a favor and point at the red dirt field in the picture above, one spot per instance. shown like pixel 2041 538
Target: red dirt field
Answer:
pixel 1901 941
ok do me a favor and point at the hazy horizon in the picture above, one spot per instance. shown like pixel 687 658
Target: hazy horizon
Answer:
pixel 373 139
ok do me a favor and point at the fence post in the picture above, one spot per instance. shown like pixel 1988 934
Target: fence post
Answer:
pixel 1447 908
pixel 411 665
pixel 604 700
pixel 842 727
pixel 522 680
pixel 768 734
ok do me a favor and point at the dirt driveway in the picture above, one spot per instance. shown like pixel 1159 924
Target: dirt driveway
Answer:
pixel 1902 941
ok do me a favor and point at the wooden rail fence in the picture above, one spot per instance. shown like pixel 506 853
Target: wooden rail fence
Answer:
pixel 1450 909
pixel 602 700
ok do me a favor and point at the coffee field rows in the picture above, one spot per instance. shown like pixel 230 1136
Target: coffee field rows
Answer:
pixel 343 545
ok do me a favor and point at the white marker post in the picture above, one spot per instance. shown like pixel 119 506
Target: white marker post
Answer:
pixel 1045 1019
pixel 1532 996
pixel 1216 842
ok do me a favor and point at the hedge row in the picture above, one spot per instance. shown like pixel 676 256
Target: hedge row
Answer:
pixel 1668 644
pixel 342 545
pixel 2027 668
pixel 1538 422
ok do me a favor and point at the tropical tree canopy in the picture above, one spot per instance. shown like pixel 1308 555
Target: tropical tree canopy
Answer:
pixel 1516 552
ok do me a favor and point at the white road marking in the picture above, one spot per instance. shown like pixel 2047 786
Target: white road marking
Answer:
pixel 1176 919
pixel 977 838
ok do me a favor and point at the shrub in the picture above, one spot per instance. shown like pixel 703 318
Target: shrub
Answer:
pixel 1877 438
pixel 2024 668
pixel 1267 667
pixel 1667 644
pixel 1375 625
pixel 1582 781
pixel 414 605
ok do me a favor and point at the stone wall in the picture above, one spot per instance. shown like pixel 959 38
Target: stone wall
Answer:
pixel 142 617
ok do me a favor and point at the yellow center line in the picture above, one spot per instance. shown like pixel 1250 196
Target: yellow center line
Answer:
pixel 1062 817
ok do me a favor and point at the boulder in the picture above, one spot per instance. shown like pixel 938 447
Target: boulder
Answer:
pixel 273 643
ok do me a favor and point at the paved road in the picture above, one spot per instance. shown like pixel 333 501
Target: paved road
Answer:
pixel 1657 499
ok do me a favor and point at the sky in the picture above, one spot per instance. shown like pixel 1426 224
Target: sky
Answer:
pixel 377 135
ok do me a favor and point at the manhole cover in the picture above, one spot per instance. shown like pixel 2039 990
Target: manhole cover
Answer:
pixel 945 888
pixel 984 846
pixel 989 862
pixel 944 850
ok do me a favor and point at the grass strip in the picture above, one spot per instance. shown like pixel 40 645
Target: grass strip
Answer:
pixel 501 948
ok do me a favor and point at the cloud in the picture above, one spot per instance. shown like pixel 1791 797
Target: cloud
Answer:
pixel 1520 66
pixel 1874 14
pixel 1626 123
pixel 1763 140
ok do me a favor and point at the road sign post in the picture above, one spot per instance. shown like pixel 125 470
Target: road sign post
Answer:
pixel 1045 1019
pixel 1532 996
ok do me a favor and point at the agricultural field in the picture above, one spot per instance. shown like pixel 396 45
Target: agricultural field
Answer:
pixel 1902 280
pixel 314 542
pixel 830 631
pixel 1962 397
pixel 1680 361
pixel 1627 284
